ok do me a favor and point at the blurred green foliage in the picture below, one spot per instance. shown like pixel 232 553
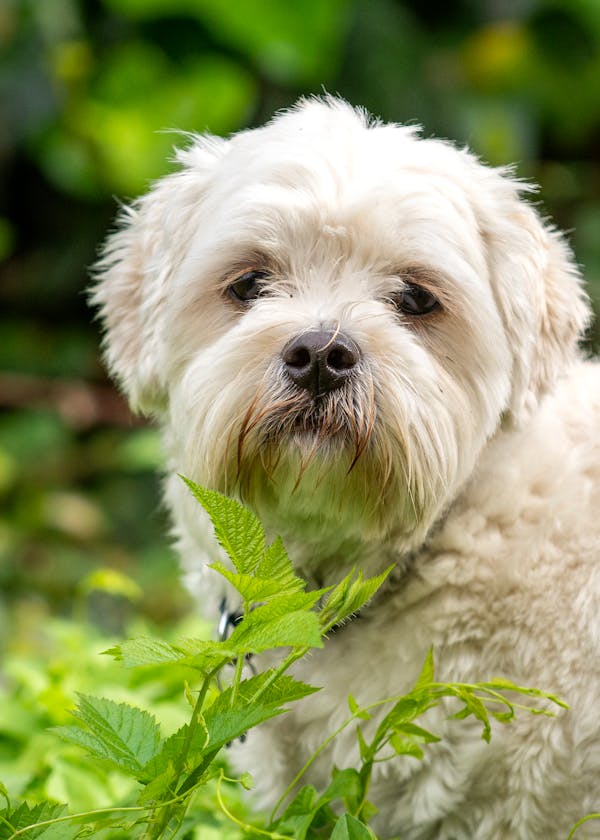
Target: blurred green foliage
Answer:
pixel 90 94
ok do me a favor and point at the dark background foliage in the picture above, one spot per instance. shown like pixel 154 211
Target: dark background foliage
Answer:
pixel 88 92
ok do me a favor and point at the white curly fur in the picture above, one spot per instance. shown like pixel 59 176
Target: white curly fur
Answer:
pixel 474 433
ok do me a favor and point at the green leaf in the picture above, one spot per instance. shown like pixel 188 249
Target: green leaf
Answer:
pixel 350 595
pixel 237 529
pixel 250 587
pixel 276 565
pixel 300 813
pixel 126 736
pixel 501 684
pixel 416 732
pixel 303 803
pixel 349 828
pixel 368 810
pixel 196 653
pixel 405 746
pixel 146 651
pixel 409 707
pixel 356 710
pixel 473 706
pixel 25 816
pixel 426 677
pixel 261 631
pixel 165 761
pixel 345 784
pixel 283 689
pixel 160 783
pixel 365 750
pixel 273 576
pixel 337 595
pixel 225 722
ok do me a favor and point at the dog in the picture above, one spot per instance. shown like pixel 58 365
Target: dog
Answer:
pixel 372 339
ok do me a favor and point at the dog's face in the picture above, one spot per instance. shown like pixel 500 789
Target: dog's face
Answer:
pixel 332 318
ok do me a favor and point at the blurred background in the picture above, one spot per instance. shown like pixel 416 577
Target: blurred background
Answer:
pixel 88 92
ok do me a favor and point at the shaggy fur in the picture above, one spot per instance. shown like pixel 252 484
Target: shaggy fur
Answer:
pixel 464 446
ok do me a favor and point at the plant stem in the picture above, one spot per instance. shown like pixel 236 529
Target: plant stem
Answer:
pixel 156 830
pixel 310 761
pixel 287 662
pixel 69 817
pixel 239 666
pixel 249 828
pixel 580 822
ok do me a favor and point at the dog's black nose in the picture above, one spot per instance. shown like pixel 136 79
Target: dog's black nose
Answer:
pixel 321 360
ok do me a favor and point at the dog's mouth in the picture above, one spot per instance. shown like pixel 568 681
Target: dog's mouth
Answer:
pixel 336 422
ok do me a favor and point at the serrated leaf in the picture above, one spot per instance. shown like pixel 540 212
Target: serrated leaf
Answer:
pixel 283 689
pixel 173 746
pixel 25 816
pixel 159 784
pixel 225 725
pixel 202 655
pixel 362 590
pixel 251 588
pixel 256 587
pixel 290 602
pixel 237 529
pixel 351 595
pixel 350 828
pixel 260 631
pixel 336 597
pixel 146 651
pixel 225 722
pixel 276 565
pixel 124 735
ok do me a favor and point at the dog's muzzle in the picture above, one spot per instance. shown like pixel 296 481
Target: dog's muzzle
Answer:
pixel 320 361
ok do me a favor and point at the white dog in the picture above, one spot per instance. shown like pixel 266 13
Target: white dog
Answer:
pixel 373 340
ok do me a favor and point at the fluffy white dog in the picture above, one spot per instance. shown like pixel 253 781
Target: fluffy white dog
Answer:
pixel 373 341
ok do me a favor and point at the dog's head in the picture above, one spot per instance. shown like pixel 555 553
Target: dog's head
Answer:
pixel 332 317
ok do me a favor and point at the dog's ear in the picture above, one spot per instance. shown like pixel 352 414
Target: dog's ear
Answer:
pixel 134 272
pixel 538 290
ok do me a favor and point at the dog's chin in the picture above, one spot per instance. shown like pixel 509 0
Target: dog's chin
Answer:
pixel 320 478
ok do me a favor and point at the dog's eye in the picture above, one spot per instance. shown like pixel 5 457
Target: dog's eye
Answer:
pixel 415 300
pixel 248 286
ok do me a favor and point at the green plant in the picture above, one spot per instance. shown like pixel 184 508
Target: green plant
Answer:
pixel 168 775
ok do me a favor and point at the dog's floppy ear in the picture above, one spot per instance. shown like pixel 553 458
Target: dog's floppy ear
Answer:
pixel 134 272
pixel 538 290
